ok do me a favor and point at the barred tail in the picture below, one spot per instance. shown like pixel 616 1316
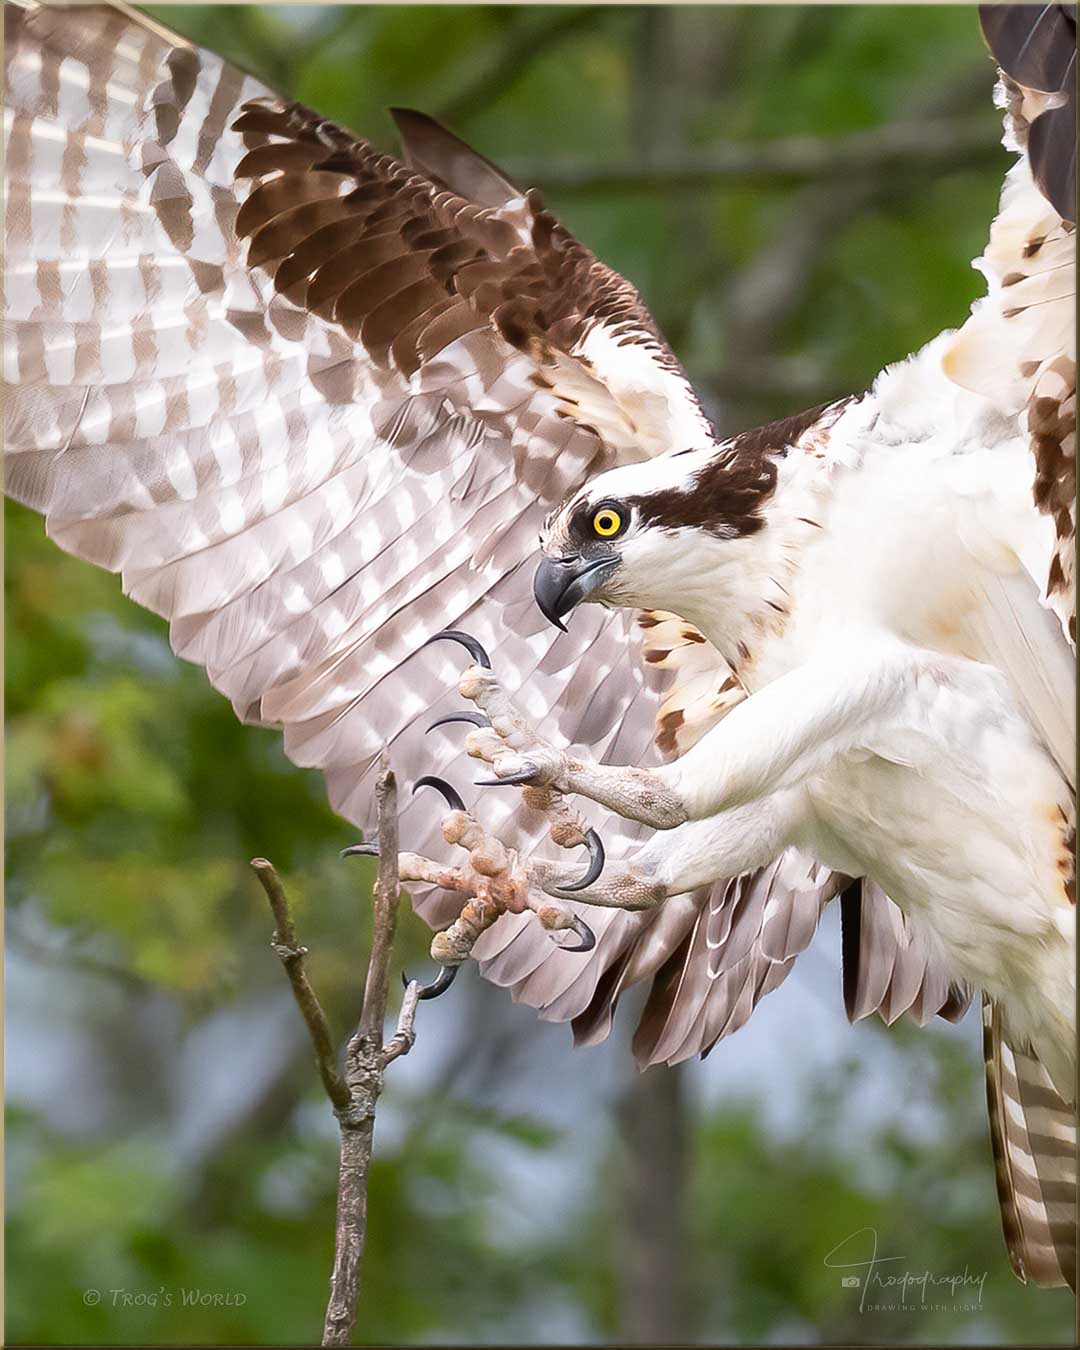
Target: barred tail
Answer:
pixel 1033 1135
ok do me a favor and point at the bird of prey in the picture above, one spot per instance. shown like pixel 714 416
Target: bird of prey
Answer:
pixel 315 404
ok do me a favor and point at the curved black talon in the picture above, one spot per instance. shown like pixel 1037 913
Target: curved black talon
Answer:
pixel 476 718
pixel 367 850
pixel 439 985
pixel 450 794
pixel 511 779
pixel 585 933
pixel 595 845
pixel 467 641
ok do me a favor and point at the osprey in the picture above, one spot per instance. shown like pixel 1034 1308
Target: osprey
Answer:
pixel 315 404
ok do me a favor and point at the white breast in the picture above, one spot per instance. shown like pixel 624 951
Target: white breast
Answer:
pixel 960 811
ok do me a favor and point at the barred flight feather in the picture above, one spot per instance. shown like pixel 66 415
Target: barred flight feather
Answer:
pixel 313 403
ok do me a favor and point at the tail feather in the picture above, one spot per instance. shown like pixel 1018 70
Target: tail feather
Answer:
pixel 1033 1136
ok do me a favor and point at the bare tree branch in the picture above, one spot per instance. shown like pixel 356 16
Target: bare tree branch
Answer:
pixel 363 1076
pixel 932 146
pixel 288 950
pixel 387 890
pixel 354 1093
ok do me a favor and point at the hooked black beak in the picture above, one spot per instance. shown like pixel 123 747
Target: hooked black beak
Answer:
pixel 562 583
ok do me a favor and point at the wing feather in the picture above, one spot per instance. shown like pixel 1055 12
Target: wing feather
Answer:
pixel 741 944
pixel 314 403
pixel 886 969
pixel 305 500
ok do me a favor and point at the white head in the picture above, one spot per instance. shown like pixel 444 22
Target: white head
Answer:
pixel 655 535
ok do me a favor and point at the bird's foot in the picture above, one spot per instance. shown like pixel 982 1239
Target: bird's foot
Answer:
pixel 506 741
pixel 519 756
pixel 503 738
pixel 495 882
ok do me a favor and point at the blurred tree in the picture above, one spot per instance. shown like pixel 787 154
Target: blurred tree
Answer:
pixel 652 1253
pixel 170 1165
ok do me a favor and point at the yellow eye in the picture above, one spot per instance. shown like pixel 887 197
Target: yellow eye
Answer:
pixel 607 522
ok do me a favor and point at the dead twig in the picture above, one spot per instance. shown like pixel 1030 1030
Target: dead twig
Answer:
pixel 401 1042
pixel 387 889
pixel 291 955
pixel 353 1091
pixel 364 1065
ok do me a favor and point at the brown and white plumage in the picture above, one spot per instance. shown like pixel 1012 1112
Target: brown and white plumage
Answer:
pixel 1019 348
pixel 1033 1135
pixel 936 753
pixel 313 404
pixel 886 969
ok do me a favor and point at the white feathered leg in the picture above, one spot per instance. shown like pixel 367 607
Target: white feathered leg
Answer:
pixel 698 853
pixel 777 738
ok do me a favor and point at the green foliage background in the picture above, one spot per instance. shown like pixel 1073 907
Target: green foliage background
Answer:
pixel 134 799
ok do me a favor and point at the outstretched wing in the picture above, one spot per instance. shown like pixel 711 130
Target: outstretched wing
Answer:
pixel 1035 48
pixel 313 403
